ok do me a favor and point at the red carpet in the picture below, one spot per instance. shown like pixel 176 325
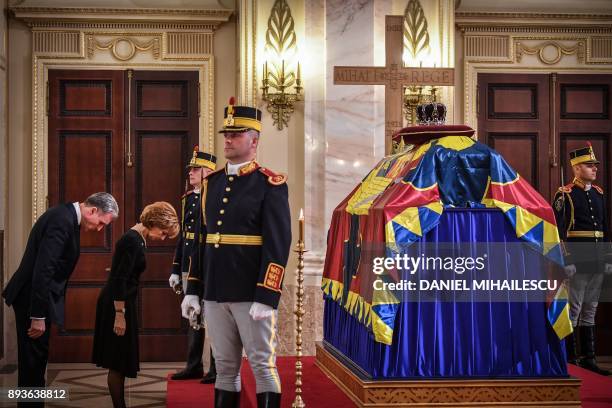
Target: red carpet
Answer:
pixel 595 390
pixel 320 392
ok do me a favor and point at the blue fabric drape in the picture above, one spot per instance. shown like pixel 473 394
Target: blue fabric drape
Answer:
pixel 457 339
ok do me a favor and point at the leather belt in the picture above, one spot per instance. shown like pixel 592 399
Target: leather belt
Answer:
pixel 585 234
pixel 232 239
pixel 191 235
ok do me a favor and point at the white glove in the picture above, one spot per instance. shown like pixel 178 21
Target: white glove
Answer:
pixel 259 311
pixel 174 280
pixel 570 270
pixel 608 269
pixel 190 306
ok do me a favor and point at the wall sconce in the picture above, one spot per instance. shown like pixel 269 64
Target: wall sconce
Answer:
pixel 281 84
pixel 415 96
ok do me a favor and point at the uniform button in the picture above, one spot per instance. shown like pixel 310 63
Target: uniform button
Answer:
pixel 219 222
pixel 228 189
pixel 193 205
pixel 231 178
pixel 216 245
pixel 589 200
pixel 225 200
pixel 595 224
pixel 591 208
pixel 592 216
pixel 221 211
pixel 186 243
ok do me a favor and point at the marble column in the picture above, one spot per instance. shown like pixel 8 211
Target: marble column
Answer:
pixel 343 136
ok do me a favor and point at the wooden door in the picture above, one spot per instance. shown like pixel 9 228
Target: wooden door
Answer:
pixel 582 106
pixel 85 155
pixel 164 129
pixel 513 118
pixel 91 114
pixel 535 121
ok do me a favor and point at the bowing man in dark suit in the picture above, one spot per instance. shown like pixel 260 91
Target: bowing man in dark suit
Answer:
pixel 37 288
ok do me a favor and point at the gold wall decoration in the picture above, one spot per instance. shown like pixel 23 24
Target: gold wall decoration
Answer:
pixel 558 50
pixel 493 47
pixel 599 50
pixel 416 37
pixel 122 48
pixel 189 43
pixel 57 42
pixel 282 83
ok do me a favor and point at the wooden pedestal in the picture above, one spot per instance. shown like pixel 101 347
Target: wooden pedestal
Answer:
pixel 555 392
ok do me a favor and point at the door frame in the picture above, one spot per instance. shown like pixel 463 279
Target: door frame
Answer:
pixel 40 71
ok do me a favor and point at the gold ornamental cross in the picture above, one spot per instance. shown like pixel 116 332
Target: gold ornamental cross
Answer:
pixel 394 76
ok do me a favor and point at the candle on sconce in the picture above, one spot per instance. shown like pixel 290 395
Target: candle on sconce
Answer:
pixel 301 226
pixel 420 64
pixel 298 71
pixel 265 71
pixel 282 75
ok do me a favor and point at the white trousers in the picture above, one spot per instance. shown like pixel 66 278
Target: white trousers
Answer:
pixel 231 328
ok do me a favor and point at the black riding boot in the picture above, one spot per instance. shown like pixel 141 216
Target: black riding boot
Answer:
pixel 571 347
pixel 227 399
pixel 587 343
pixel 268 400
pixel 211 375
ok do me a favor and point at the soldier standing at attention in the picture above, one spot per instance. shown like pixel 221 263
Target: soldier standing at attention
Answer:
pixel 187 257
pixel 248 235
pixel 581 218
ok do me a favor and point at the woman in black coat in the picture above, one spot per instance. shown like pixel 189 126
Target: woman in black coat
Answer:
pixel 115 344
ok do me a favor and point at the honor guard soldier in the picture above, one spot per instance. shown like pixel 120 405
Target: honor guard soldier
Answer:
pixel 247 246
pixel 581 218
pixel 187 258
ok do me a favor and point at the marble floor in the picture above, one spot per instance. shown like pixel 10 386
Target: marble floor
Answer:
pixel 87 385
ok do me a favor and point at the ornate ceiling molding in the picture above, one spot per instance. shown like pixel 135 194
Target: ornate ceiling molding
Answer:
pixel 460 15
pixel 507 27
pixel 45 16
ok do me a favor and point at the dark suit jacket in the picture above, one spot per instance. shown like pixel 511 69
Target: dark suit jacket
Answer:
pixel 50 256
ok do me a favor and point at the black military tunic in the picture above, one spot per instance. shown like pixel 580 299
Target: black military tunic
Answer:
pixel 581 219
pixel 248 237
pixel 187 251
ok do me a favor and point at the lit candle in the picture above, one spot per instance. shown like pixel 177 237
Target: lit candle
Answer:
pixel 301 225
pixel 282 75
pixel 298 73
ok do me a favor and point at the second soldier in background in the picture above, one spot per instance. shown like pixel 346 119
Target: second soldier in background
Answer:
pixel 581 218
pixel 188 257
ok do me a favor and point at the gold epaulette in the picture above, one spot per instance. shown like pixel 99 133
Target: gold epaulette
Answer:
pixel 566 188
pixel 599 189
pixel 214 172
pixel 186 194
pixel 276 179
